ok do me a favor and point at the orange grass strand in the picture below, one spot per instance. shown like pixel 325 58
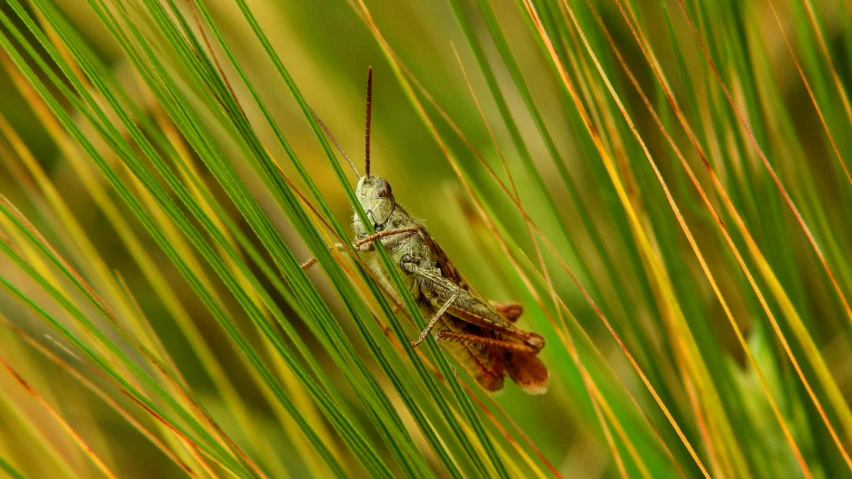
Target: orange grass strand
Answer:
pixel 67 427
pixel 810 91
pixel 98 391
pixel 833 392
pixel 766 163
pixel 718 220
pixel 487 125
pixel 723 229
pixel 167 373
pixel 824 49
pixel 681 220
pixel 599 145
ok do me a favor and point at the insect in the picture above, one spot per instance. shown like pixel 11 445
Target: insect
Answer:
pixel 479 334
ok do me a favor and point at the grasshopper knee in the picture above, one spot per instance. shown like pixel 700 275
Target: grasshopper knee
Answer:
pixel 535 341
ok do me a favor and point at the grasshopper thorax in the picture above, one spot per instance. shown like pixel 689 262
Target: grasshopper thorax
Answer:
pixel 376 198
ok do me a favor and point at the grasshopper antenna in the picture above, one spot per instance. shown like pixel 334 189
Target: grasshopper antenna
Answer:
pixel 334 140
pixel 369 120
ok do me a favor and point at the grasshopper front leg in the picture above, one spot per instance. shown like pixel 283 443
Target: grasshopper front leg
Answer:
pixel 365 241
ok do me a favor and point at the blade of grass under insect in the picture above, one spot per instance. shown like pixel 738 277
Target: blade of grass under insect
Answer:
pixel 396 343
pixel 429 380
pixel 386 48
pixel 282 141
pixel 434 371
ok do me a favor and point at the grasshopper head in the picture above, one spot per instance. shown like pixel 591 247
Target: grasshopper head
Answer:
pixel 376 198
pixel 372 192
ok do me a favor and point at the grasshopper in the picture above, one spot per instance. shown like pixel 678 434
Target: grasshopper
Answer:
pixel 479 334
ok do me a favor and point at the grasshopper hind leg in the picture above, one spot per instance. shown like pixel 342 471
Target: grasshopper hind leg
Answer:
pixel 435 320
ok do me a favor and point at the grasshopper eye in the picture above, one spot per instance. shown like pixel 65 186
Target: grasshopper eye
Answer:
pixel 383 191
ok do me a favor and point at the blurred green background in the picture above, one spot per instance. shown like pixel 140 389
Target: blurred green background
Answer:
pixel 662 185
